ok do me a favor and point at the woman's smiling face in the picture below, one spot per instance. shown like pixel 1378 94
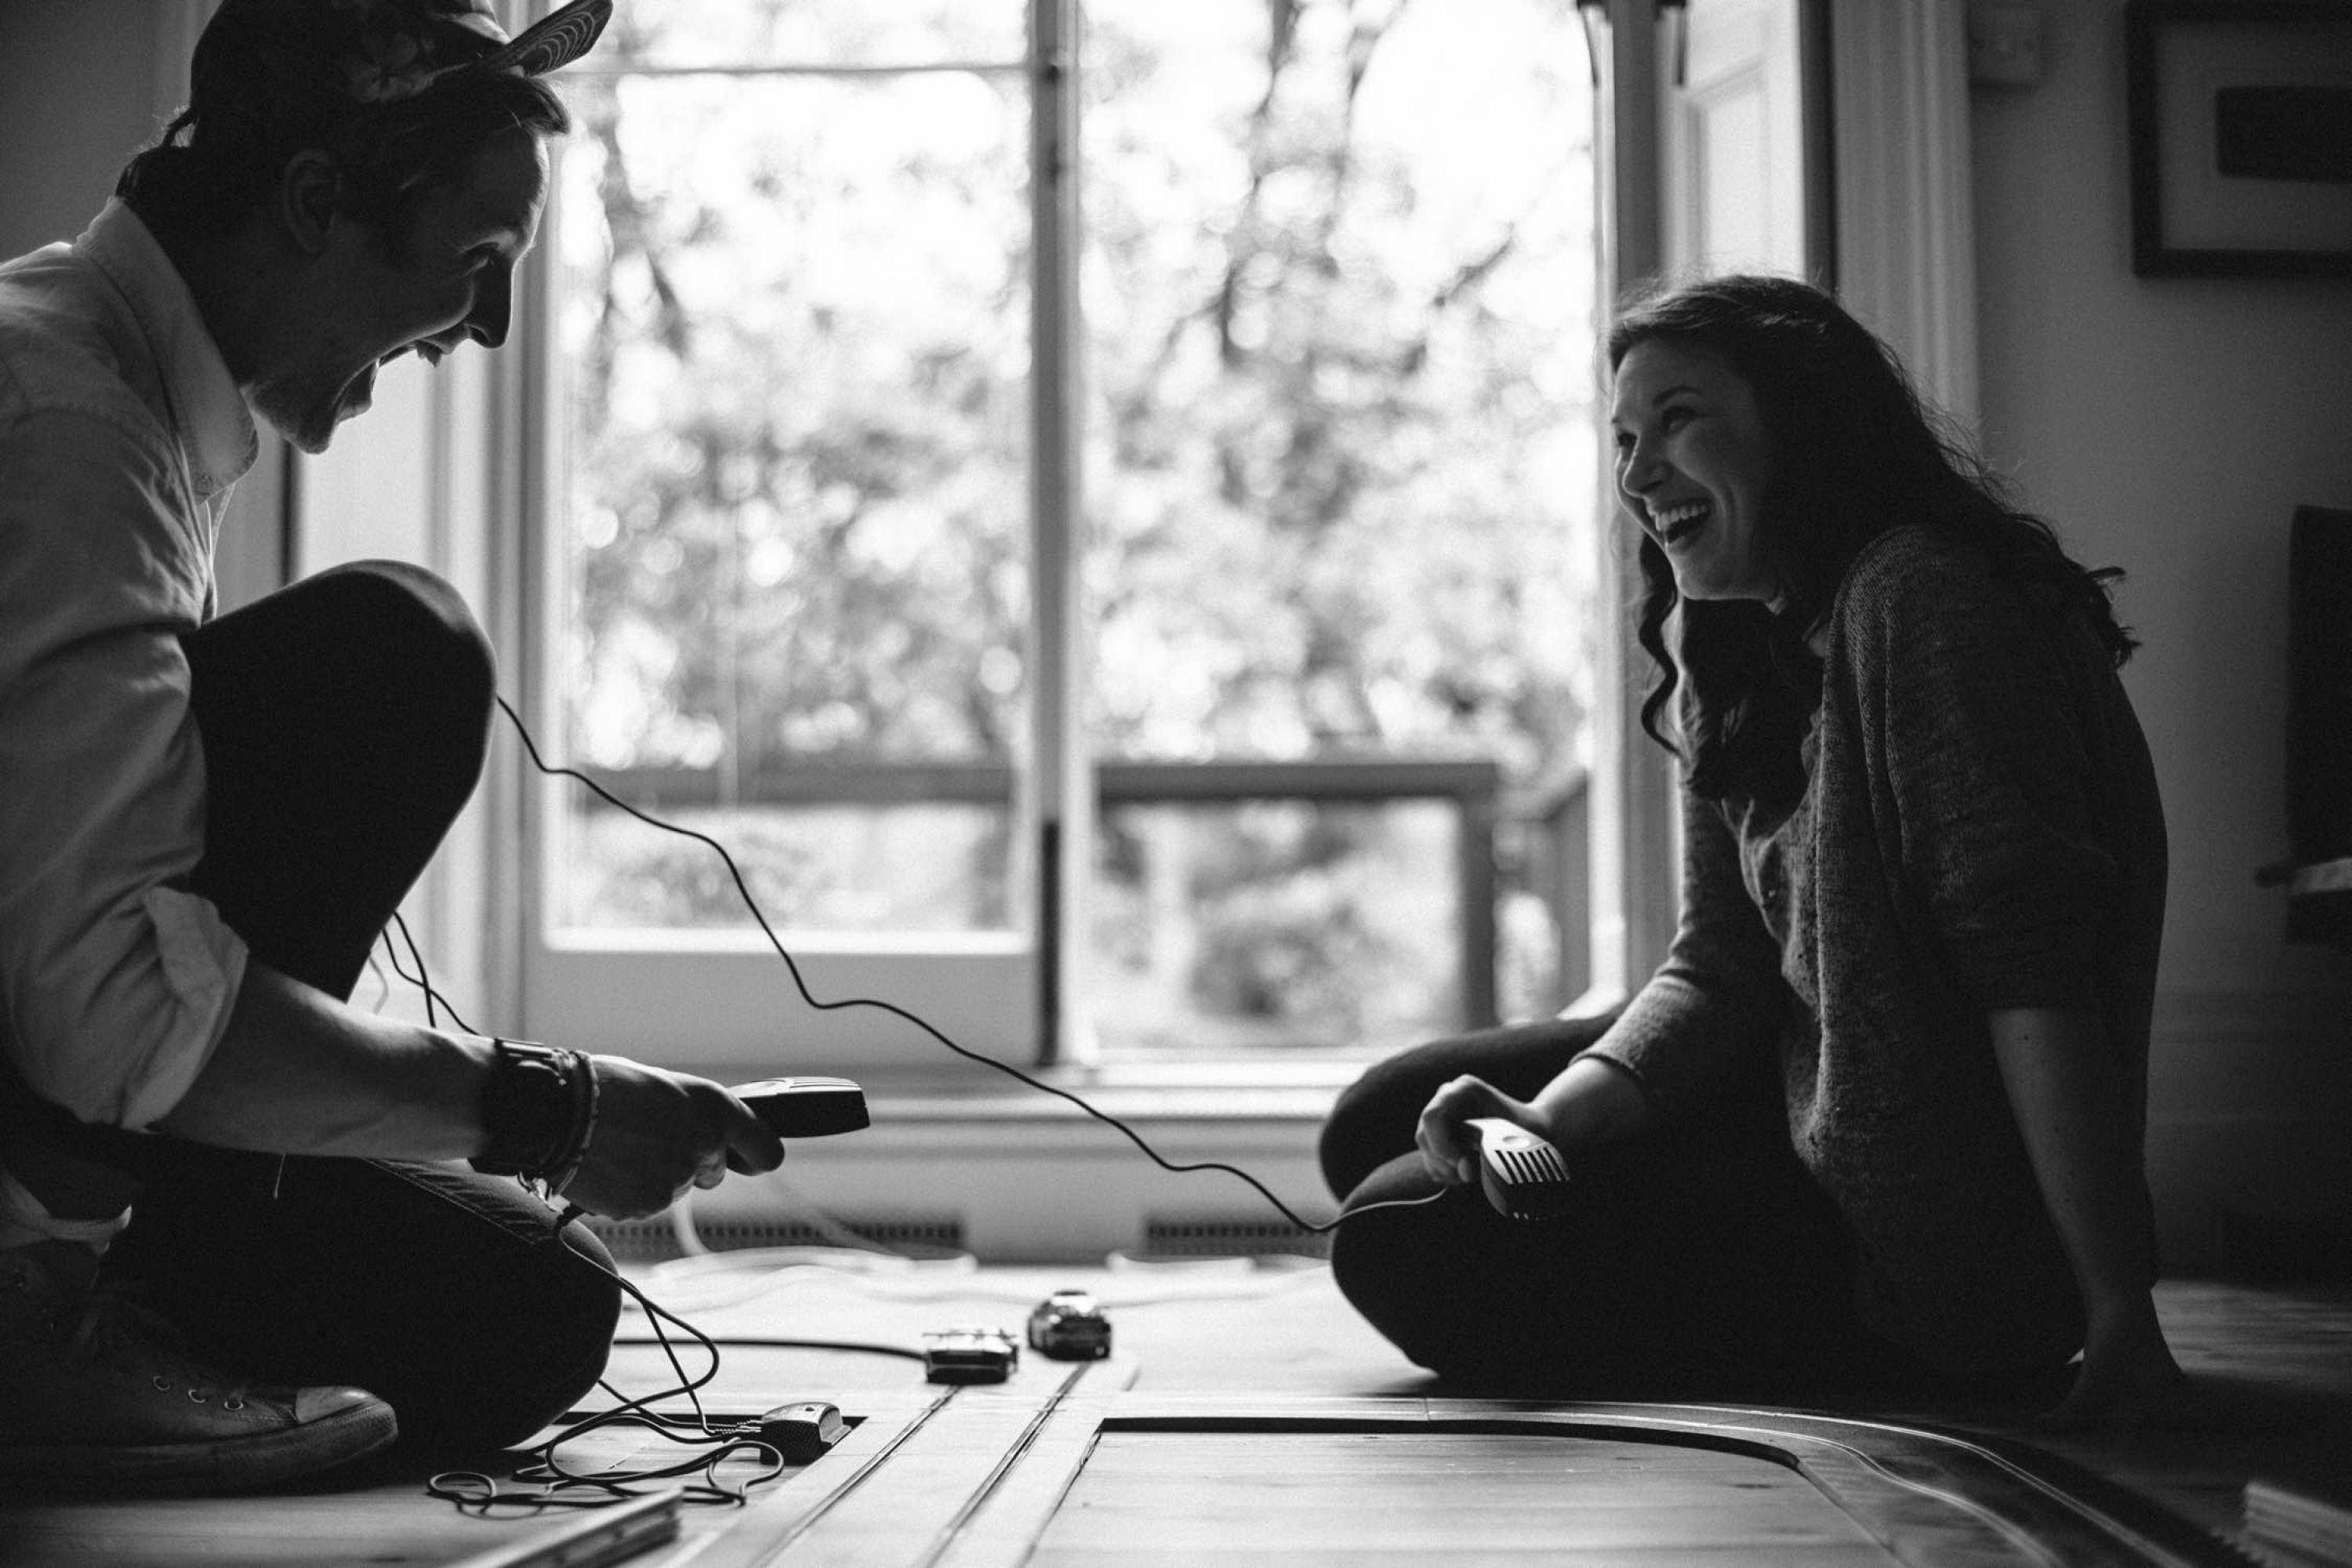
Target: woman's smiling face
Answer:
pixel 1693 458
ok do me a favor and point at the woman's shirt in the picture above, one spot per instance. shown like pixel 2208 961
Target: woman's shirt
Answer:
pixel 1979 830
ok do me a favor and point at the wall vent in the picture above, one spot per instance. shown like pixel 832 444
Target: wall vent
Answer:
pixel 654 1240
pixel 1228 1236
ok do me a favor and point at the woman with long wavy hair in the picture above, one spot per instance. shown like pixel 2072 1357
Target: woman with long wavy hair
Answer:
pixel 1874 1130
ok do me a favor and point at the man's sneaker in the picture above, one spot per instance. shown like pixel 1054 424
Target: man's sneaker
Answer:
pixel 95 1395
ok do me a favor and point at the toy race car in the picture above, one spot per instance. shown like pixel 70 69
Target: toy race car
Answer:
pixel 1068 1326
pixel 969 1356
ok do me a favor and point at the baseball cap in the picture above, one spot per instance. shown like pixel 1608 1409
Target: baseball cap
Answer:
pixel 311 63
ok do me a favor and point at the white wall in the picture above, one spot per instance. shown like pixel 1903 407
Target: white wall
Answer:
pixel 77 92
pixel 2170 427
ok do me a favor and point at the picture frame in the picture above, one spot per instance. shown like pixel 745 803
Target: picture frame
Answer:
pixel 2240 137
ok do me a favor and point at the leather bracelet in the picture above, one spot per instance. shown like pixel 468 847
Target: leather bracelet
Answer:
pixel 567 1162
pixel 536 1108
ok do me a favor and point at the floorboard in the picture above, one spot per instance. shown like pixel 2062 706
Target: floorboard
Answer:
pixel 1358 1456
pixel 1300 1498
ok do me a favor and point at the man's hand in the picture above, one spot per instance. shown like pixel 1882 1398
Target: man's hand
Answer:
pixel 659 1134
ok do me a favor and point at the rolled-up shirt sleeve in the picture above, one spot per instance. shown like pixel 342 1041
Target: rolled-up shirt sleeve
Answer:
pixel 115 979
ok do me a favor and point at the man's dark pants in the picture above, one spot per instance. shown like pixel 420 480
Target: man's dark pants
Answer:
pixel 344 722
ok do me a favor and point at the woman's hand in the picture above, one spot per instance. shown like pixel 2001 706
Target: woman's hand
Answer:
pixel 1449 1147
pixel 659 1134
pixel 1592 1103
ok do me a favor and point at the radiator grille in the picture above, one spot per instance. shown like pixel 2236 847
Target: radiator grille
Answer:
pixel 1228 1236
pixel 652 1240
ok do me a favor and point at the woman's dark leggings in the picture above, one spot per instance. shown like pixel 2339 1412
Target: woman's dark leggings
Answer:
pixel 1697 1261
pixel 344 722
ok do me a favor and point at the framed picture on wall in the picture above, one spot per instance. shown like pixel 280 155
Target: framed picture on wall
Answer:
pixel 2240 120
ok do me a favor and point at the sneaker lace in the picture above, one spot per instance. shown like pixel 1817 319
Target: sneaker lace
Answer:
pixel 110 1329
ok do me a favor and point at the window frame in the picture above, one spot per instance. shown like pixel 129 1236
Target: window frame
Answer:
pixel 974 981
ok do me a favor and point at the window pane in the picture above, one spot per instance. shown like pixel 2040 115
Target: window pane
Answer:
pixel 923 868
pixel 793 326
pixel 1289 923
pixel 737 34
pixel 1339 299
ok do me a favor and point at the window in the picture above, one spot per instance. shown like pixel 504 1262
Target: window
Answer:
pixel 1128 606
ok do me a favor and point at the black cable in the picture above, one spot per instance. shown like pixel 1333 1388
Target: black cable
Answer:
pixel 557 1487
pixel 421 981
pixel 743 889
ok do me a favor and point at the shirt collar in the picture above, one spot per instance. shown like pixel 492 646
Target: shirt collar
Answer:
pixel 214 426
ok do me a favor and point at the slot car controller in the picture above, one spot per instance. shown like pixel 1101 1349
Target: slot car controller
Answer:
pixel 1523 1176
pixel 806 1107
pixel 802 1432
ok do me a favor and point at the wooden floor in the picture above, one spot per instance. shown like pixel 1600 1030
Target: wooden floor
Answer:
pixel 1248 1416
